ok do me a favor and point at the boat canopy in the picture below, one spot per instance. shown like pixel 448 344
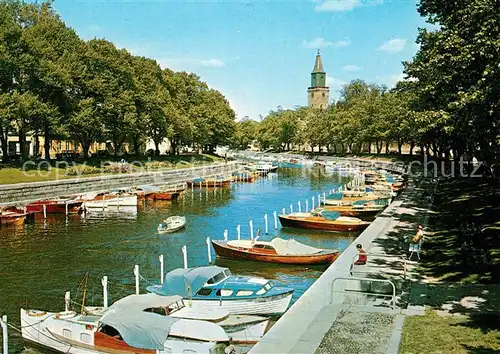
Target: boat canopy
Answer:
pixel 144 301
pixel 139 329
pixel 330 215
pixel 292 247
pixel 179 280
pixel 359 202
pixel 335 196
pixel 148 188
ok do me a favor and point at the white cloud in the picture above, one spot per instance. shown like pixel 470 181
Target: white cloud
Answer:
pixel 335 83
pixel 320 42
pixel 213 63
pixel 394 45
pixel 338 5
pixel 351 68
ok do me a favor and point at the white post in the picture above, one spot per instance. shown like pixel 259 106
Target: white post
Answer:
pixel 324 197
pixel 307 205
pixel 5 334
pixel 291 208
pixel 226 234
pixel 266 225
pixel 67 301
pixel 185 256
pixel 45 211
pixel 300 209
pixel 319 200
pixel 284 211
pixel 162 265
pixel 136 273
pixel 209 251
pixel 250 223
pixel 66 206
pixel 275 220
pixel 312 205
pixel 104 282
pixel 238 230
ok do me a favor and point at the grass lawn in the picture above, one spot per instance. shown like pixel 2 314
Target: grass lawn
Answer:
pixel 10 174
pixel 435 334
pixel 464 243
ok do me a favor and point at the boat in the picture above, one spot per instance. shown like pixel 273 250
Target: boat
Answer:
pixel 209 182
pixel 242 177
pixel 277 250
pixel 121 331
pixel 216 287
pixel 358 208
pixel 172 224
pixel 293 163
pixel 14 216
pixel 112 199
pixel 241 329
pixel 151 192
pixel 351 197
pixel 320 219
pixel 56 206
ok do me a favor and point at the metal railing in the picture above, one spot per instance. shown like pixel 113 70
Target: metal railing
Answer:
pixel 392 303
pixel 405 261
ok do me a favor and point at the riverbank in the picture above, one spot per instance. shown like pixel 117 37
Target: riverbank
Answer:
pixel 24 192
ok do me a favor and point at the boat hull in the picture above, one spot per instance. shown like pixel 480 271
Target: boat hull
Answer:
pixel 247 333
pixel 361 213
pixel 208 184
pixel 163 196
pixel 113 202
pixel 320 225
pixel 267 305
pixel 55 207
pixel 222 250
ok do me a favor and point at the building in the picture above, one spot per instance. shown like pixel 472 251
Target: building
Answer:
pixel 318 95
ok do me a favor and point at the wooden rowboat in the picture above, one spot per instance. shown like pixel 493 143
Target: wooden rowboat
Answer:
pixel 321 219
pixel 361 211
pixel 276 251
pixel 56 206
pixel 208 183
pixel 14 216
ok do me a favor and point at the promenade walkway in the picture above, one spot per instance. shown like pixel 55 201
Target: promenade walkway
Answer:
pixel 350 309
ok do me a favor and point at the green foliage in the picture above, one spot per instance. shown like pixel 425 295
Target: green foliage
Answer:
pixel 92 91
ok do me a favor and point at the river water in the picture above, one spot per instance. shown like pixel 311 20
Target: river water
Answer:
pixel 41 261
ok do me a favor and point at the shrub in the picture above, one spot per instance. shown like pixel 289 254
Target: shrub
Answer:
pixel 81 170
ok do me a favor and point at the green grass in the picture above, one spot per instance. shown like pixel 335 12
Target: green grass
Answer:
pixel 455 335
pixel 10 173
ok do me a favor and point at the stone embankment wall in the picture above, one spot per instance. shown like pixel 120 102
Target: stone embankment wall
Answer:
pixel 24 192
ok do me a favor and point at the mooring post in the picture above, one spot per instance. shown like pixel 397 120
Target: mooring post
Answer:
pixel 162 265
pixel 185 256
pixel 208 250
pixel 275 220
pixel 284 211
pixel 66 207
pixel 300 209
pixel 45 211
pixel 136 273
pixel 250 223
pixel 5 334
pixel 312 205
pixel 319 200
pixel 226 235
pixel 266 225
pixel 307 205
pixel 104 282
pixel 238 231
pixel 291 208
pixel 67 301
pixel 324 197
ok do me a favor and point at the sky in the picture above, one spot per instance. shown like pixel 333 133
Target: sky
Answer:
pixel 259 54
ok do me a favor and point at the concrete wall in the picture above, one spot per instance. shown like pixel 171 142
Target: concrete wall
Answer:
pixel 22 192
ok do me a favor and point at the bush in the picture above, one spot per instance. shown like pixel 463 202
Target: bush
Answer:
pixel 158 165
pixel 118 167
pixel 82 170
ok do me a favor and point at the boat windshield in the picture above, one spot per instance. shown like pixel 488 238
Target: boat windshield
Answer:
pixel 217 278
pixel 166 311
pixel 265 288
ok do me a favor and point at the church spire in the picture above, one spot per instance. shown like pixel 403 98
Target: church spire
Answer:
pixel 318 65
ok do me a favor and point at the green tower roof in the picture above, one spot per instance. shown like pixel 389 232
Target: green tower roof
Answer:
pixel 318 64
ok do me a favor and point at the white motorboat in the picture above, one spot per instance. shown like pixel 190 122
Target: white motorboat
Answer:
pixel 121 330
pixel 103 200
pixel 215 287
pixel 172 224
pixel 242 329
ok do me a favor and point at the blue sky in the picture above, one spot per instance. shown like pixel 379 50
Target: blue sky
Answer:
pixel 259 54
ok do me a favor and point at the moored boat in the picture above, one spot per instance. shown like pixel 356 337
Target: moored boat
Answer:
pixel 216 287
pixel 14 216
pixel 276 251
pixel 209 182
pixel 56 206
pixel 242 177
pixel 361 209
pixel 108 199
pixel 321 219
pixel 172 224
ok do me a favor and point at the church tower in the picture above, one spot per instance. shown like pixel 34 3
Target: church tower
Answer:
pixel 318 95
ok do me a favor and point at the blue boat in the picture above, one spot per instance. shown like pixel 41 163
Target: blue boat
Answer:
pixel 215 287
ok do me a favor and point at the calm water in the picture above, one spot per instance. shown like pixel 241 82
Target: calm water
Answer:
pixel 39 262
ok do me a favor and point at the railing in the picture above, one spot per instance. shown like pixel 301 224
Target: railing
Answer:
pixel 393 296
pixel 405 261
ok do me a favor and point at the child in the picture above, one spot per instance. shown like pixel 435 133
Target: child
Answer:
pixel 362 255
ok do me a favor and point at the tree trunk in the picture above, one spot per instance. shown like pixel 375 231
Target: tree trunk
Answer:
pixel 86 147
pixel 412 145
pixel 387 147
pixel 379 147
pixel 22 145
pixel 350 148
pixel 4 135
pixel 335 148
pixel 157 147
pixel 370 148
pixel 400 147
pixel 46 143
pixel 173 146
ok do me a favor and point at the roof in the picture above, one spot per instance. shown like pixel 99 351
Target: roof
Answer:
pixel 179 280
pixel 144 301
pixel 139 329
pixel 318 64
